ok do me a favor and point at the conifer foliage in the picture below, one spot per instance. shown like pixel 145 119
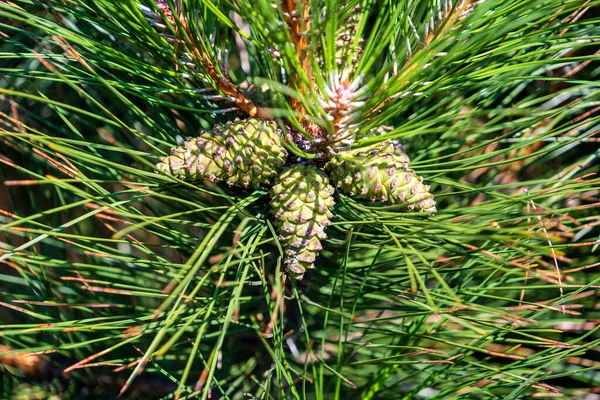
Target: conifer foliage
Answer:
pixel 306 199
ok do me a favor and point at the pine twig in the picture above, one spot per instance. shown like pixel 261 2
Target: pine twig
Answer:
pixel 219 76
pixel 298 20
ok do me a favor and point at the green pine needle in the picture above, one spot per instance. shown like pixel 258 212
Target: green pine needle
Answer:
pixel 143 284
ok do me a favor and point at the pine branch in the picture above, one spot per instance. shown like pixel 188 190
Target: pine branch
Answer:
pixel 200 55
pixel 112 271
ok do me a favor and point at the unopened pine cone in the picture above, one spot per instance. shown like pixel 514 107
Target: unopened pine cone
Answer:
pixel 381 173
pixel 301 201
pixel 246 153
pixel 202 157
pixel 347 53
pixel 345 47
pixel 256 148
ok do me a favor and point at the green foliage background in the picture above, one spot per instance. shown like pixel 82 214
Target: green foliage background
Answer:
pixel 133 280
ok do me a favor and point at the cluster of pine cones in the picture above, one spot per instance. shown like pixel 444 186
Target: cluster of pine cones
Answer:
pixel 250 153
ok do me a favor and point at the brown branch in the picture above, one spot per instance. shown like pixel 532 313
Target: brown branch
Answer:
pixel 219 76
pixel 298 21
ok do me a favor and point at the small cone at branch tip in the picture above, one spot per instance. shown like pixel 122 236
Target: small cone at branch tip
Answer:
pixel 301 202
pixel 246 153
pixel 348 48
pixel 381 173
pixel 343 96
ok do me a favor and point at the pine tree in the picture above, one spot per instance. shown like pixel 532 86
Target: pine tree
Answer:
pixel 299 198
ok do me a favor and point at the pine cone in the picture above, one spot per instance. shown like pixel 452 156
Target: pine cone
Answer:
pixel 204 157
pixel 243 153
pixel 381 172
pixel 301 201
pixel 344 40
pixel 256 149
pixel 347 56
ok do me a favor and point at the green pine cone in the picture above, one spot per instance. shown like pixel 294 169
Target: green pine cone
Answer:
pixel 347 55
pixel 381 173
pixel 256 149
pixel 203 157
pixel 301 201
pixel 243 153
